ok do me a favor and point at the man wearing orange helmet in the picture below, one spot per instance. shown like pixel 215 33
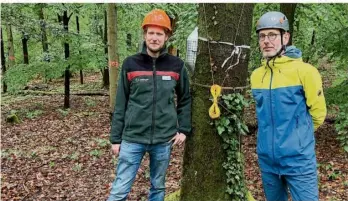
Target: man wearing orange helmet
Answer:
pixel 145 117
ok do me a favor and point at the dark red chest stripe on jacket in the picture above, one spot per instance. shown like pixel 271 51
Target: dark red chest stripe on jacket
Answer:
pixel 134 74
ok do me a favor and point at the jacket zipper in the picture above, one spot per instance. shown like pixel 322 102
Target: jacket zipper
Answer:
pixel 270 98
pixel 154 100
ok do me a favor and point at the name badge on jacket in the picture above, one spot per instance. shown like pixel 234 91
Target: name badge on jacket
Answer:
pixel 166 77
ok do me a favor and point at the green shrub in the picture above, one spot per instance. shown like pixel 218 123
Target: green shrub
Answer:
pixel 337 95
pixel 342 126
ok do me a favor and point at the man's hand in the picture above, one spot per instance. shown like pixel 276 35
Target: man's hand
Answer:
pixel 116 149
pixel 179 138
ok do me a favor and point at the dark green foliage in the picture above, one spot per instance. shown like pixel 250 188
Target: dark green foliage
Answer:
pixel 342 126
pixel 330 23
pixel 337 95
pixel 86 47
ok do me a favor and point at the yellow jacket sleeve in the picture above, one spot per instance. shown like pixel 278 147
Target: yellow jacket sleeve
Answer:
pixel 315 99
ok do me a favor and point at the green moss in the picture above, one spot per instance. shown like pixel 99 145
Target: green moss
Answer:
pixel 12 118
pixel 173 196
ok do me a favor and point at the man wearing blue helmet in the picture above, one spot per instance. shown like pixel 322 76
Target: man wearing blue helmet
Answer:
pixel 290 105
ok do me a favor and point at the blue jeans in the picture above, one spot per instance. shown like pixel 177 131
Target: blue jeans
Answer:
pixel 302 187
pixel 129 161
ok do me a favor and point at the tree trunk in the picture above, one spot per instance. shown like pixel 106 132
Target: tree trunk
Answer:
pixel 78 32
pixel 67 69
pixel 3 64
pixel 289 11
pixel 129 42
pixel 11 55
pixel 204 178
pixel 44 40
pixel 106 82
pixel 25 48
pixel 311 47
pixel 171 49
pixel 112 52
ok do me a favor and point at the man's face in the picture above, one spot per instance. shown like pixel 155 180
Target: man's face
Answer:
pixel 270 42
pixel 155 38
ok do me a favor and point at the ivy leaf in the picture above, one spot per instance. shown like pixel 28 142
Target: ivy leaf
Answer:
pixel 220 129
pixel 346 148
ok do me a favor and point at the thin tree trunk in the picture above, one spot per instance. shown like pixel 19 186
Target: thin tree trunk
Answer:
pixel 311 46
pixel 106 81
pixel 204 178
pixel 67 69
pixel 129 42
pixel 113 54
pixel 81 76
pixel 171 49
pixel 44 40
pixel 78 32
pixel 25 48
pixel 11 55
pixel 289 11
pixel 3 64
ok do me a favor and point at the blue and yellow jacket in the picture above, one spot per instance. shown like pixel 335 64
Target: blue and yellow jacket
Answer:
pixel 290 105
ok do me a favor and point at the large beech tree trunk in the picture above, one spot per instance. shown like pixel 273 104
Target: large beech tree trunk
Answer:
pixel 204 178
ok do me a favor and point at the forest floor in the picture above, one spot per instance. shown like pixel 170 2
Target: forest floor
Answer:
pixel 56 154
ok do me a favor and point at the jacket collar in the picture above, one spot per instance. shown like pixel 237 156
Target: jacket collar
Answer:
pixel 279 61
pixel 291 54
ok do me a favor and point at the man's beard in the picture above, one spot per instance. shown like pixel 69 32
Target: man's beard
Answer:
pixel 270 54
pixel 155 50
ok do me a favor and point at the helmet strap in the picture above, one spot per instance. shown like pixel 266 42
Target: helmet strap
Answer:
pixel 283 47
pixel 282 44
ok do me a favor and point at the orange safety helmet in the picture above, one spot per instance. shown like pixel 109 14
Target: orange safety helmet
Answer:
pixel 157 17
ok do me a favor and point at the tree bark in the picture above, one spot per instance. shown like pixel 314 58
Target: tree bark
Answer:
pixel 112 52
pixel 44 40
pixel 311 47
pixel 25 48
pixel 106 82
pixel 171 49
pixel 204 178
pixel 65 19
pixel 129 41
pixel 289 11
pixel 3 64
pixel 78 32
pixel 10 46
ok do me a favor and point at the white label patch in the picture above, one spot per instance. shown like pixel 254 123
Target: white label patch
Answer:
pixel 166 77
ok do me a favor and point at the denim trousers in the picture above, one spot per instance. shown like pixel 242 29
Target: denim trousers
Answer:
pixel 131 155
